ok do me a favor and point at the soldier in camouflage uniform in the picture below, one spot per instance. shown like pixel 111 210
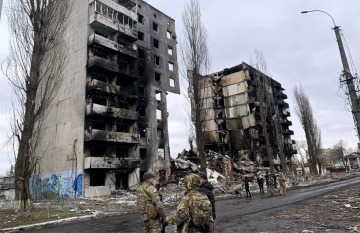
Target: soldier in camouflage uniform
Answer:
pixel 182 216
pixel 271 187
pixel 282 181
pixel 147 195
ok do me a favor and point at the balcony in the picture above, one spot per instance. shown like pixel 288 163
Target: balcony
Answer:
pixel 111 163
pixel 112 26
pixel 96 85
pixel 106 136
pixel 102 41
pixel 96 109
pixel 102 63
pixel 286 122
pixel 280 94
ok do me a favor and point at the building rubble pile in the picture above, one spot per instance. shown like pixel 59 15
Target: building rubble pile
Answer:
pixel 223 172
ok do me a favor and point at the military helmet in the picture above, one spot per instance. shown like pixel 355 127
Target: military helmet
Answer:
pixel 148 175
pixel 192 181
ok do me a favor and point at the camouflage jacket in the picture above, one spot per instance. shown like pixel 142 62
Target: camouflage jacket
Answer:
pixel 145 199
pixel 182 216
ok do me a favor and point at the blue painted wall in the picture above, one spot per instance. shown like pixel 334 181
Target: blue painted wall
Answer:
pixel 56 185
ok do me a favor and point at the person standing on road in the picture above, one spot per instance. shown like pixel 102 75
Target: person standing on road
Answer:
pixel 282 180
pixel 150 205
pixel 247 186
pixel 260 181
pixel 193 213
pixel 207 188
pixel 267 181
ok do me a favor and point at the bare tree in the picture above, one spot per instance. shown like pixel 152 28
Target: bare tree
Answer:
pixel 34 67
pixel 194 53
pixel 312 132
pixel 260 64
pixel 338 153
pixel 302 151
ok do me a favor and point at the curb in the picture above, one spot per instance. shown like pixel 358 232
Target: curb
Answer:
pixel 18 228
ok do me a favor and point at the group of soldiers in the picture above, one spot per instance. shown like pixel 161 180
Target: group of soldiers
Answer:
pixel 196 210
pixel 194 213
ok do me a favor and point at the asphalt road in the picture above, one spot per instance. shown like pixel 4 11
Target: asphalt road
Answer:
pixel 230 212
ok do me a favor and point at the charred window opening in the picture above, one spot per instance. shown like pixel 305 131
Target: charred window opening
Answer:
pixel 157 77
pixel 168 34
pixel 171 66
pixel 101 34
pixel 122 152
pixel 141 53
pixel 161 153
pixel 142 153
pixel 98 125
pixel 142 111
pixel 141 91
pixel 155 27
pixel 122 181
pixel 156 43
pixel 172 82
pixel 156 60
pixel 98 100
pixel 100 52
pixel 141 36
pixel 99 77
pixel 158 114
pixel 155 16
pixel 99 151
pixel 122 128
pixel 170 50
pixel 141 18
pixel 97 178
pixel 123 105
pixel 142 131
pixel 141 72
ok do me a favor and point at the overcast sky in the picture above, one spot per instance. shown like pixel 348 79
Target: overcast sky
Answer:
pixel 298 48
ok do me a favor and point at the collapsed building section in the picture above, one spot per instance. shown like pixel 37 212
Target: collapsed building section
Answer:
pixel 108 124
pixel 237 104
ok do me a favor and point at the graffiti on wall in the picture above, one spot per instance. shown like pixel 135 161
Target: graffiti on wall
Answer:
pixel 56 185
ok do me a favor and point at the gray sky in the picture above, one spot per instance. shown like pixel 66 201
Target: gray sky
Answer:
pixel 298 49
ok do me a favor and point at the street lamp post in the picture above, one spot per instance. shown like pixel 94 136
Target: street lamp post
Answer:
pixel 355 109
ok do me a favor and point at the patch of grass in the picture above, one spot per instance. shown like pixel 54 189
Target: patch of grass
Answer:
pixel 8 218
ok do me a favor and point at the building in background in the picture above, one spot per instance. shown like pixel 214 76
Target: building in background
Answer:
pixel 108 124
pixel 1 3
pixel 231 103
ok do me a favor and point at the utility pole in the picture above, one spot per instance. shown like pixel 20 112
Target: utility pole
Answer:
pixel 353 98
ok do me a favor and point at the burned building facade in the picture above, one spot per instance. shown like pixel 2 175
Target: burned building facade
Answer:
pixel 108 124
pixel 238 103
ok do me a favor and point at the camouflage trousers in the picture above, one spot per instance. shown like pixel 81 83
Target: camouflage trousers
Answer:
pixel 153 226
pixel 283 188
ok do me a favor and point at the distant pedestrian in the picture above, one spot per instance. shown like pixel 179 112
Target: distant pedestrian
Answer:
pixel 282 180
pixel 260 181
pixel 267 175
pixel 207 188
pixel 275 180
pixel 247 186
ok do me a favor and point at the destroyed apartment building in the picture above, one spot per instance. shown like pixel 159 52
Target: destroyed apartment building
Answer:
pixel 108 124
pixel 234 120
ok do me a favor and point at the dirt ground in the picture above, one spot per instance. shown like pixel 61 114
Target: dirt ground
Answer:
pixel 338 212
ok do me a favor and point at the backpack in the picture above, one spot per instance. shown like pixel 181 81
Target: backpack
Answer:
pixel 200 209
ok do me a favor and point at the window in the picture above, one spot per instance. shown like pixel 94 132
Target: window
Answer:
pixel 142 153
pixel 171 66
pixel 168 34
pixel 158 114
pixel 156 43
pixel 156 60
pixel 97 178
pixel 168 23
pixel 172 82
pixel 154 15
pixel 170 50
pixel 158 96
pixel 98 125
pixel 141 18
pixel 155 27
pixel 141 36
pixel 161 153
pixel 157 77
pixel 141 53
pixel 139 6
